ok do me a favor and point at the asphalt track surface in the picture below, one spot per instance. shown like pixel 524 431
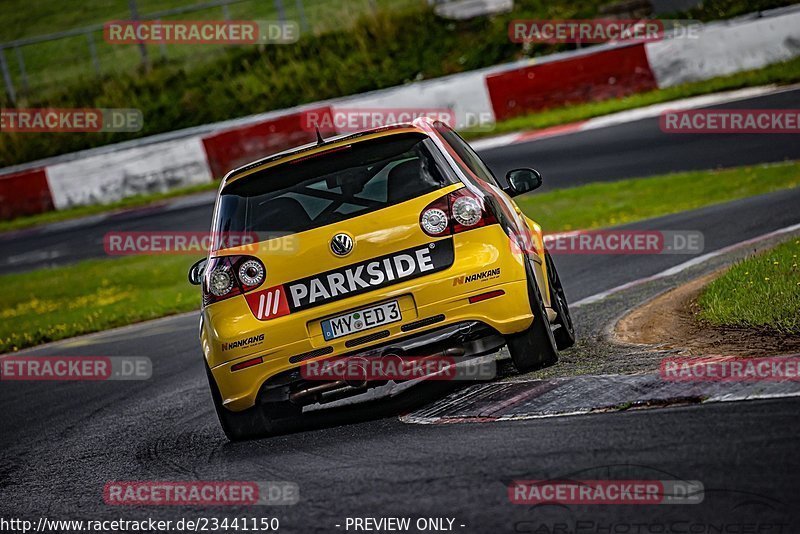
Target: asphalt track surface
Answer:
pixel 627 150
pixel 61 442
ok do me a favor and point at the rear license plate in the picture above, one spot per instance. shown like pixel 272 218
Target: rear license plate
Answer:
pixel 386 313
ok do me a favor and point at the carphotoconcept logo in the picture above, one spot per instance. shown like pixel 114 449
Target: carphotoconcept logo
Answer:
pixel 230 32
pixel 70 120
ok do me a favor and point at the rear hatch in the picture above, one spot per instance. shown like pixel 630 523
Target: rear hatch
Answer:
pixel 328 226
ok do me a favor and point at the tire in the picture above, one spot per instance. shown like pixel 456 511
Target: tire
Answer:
pixel 565 333
pixel 534 348
pixel 261 420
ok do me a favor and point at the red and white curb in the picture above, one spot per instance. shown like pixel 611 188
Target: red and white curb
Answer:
pixel 582 395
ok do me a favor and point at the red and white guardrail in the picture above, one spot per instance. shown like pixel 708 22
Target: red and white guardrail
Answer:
pixel 111 173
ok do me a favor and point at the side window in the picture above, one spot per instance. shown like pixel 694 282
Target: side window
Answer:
pixel 467 155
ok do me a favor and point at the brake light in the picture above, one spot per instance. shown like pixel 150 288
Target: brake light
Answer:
pixel 228 276
pixel 456 212
pixel 486 296
pixel 247 363
pixel 435 219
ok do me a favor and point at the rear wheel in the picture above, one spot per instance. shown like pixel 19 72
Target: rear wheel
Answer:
pixel 261 420
pixel 564 333
pixel 534 348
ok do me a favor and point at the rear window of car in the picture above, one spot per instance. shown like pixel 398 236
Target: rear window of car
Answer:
pixel 324 189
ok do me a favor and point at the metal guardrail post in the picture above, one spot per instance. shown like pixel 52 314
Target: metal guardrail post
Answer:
pixel 12 95
pixel 142 46
pixel 281 10
pixel 93 53
pixel 301 13
pixel 162 46
pixel 22 72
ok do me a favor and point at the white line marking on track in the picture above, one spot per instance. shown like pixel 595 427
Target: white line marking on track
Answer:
pixel 35 256
pixel 683 266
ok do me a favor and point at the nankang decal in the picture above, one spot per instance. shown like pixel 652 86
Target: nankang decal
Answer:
pixel 369 275
pixel 253 340
pixel 485 275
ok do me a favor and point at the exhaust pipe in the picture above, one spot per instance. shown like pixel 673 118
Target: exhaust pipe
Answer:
pixel 356 376
pixel 298 396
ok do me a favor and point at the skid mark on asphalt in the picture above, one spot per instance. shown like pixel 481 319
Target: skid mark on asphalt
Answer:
pixel 535 399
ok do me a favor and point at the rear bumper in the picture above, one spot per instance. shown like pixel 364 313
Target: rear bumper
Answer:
pixel 467 340
pixel 484 262
pixel 439 324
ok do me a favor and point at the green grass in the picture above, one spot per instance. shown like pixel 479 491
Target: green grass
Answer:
pixel 29 221
pixel 24 18
pixel 51 304
pixel 780 73
pixel 367 49
pixel 30 18
pixel 51 64
pixel 606 204
pixel 760 292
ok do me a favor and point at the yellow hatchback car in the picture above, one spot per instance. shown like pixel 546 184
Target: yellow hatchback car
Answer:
pixel 393 241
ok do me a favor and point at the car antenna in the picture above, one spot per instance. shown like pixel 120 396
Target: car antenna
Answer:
pixel 320 140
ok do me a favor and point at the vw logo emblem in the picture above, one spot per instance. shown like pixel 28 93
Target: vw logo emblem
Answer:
pixel 341 244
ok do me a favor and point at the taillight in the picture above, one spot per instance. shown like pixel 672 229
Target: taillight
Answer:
pixel 457 212
pixel 228 276
pixel 486 296
pixel 247 363
pixel 435 219
pixel 251 273
pixel 467 211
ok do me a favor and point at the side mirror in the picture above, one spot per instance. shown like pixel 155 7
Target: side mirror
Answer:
pixel 196 272
pixel 522 181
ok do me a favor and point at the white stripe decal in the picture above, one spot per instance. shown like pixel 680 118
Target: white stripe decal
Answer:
pixel 260 306
pixel 269 305
pixel 277 301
